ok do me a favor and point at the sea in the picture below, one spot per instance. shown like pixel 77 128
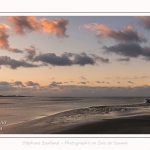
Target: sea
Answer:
pixel 21 109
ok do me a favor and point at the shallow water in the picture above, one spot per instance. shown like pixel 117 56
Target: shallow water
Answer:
pixel 19 109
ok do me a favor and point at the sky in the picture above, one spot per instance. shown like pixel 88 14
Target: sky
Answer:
pixel 75 55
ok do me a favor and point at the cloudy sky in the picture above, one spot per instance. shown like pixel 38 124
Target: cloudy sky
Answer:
pixel 75 56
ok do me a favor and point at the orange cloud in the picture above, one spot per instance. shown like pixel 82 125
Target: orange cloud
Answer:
pixel 15 50
pixel 128 33
pixel 99 28
pixel 4 43
pixel 57 26
pixel 31 52
pixel 30 49
pixel 25 24
pixel 144 20
pixel 4 36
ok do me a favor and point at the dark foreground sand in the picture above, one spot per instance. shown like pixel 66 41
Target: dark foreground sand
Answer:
pixel 129 125
pixel 132 125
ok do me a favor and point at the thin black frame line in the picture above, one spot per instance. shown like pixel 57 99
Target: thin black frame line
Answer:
pixel 75 12
pixel 74 137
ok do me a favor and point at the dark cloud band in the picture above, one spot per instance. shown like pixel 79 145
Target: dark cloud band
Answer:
pixel 13 64
pixel 129 50
pixel 69 59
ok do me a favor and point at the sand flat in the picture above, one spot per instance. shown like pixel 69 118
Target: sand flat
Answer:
pixel 129 125
pixel 92 120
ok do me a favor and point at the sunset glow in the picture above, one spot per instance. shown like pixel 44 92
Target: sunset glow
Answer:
pixel 75 56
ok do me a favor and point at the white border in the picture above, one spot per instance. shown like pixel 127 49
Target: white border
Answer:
pixel 74 6
pixel 74 14
pixel 59 7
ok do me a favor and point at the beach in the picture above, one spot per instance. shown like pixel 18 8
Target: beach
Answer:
pixel 114 119
pixel 130 125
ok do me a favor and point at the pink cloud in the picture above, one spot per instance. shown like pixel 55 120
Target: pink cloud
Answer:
pixel 4 43
pixel 145 20
pixel 57 27
pixel 128 33
pixel 25 24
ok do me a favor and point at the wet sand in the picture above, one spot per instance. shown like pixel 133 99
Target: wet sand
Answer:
pixel 92 120
pixel 129 125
